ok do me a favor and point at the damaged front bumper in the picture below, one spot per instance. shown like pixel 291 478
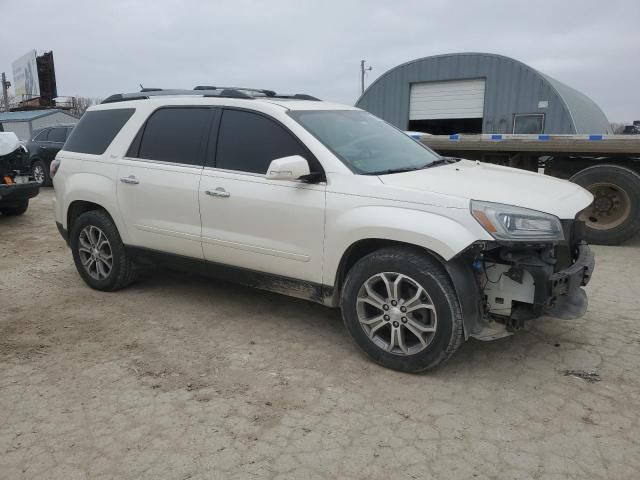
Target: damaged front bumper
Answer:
pixel 566 297
pixel 531 287
pixel 502 285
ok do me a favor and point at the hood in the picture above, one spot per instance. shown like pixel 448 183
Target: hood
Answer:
pixel 12 155
pixel 494 183
pixel 8 143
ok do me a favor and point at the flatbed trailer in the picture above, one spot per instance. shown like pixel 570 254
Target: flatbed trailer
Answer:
pixel 606 165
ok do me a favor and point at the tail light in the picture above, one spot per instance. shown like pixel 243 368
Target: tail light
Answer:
pixel 55 165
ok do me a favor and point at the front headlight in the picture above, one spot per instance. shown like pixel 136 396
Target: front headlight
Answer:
pixel 506 222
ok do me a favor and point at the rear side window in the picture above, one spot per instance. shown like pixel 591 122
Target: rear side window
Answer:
pixel 173 135
pixel 96 130
pixel 58 135
pixel 248 142
pixel 41 136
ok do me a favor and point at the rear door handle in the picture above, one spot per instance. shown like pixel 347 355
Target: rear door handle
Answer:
pixel 130 180
pixel 218 192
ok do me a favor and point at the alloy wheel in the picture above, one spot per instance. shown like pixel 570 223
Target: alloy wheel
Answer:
pixel 396 312
pixel 95 252
pixel 38 174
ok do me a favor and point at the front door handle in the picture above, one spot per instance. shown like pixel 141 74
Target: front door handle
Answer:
pixel 218 192
pixel 130 180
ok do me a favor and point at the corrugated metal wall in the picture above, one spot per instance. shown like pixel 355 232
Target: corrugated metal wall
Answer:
pixel 53 119
pixel 21 129
pixel 511 87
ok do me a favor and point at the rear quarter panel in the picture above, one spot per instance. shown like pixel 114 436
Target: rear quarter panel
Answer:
pixel 90 180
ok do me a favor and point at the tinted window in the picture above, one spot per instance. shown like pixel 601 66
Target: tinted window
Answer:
pixel 248 142
pixel 96 130
pixel 175 135
pixel 57 135
pixel 41 136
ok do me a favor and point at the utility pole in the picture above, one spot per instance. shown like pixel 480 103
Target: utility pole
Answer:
pixel 362 73
pixel 5 96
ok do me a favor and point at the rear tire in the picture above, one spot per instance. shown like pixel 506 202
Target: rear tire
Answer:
pixel 99 253
pixel 614 216
pixel 398 333
pixel 15 210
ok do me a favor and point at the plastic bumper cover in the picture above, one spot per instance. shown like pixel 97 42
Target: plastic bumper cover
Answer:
pixel 18 192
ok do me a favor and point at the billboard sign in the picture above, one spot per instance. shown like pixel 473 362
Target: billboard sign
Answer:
pixel 25 77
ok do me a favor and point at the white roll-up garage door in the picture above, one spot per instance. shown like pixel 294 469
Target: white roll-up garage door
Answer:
pixel 450 99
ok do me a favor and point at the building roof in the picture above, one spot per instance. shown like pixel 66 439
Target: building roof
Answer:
pixel 28 115
pixel 587 116
pixel 512 87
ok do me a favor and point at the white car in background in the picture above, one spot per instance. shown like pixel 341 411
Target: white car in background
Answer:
pixel 324 202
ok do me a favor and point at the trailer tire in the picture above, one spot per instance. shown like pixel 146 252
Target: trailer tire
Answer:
pixel 614 215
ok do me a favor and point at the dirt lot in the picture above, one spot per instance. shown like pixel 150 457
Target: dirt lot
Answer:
pixel 183 377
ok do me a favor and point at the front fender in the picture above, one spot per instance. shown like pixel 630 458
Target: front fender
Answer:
pixel 442 235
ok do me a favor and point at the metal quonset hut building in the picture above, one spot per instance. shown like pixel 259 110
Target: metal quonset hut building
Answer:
pixel 479 93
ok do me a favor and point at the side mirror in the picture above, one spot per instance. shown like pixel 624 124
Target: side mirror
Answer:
pixel 288 168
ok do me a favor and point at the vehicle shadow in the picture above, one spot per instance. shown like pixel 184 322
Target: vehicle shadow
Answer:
pixel 314 324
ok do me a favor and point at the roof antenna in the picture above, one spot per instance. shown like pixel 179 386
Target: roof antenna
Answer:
pixel 141 87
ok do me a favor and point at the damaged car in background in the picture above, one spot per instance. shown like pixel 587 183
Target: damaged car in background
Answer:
pixel 327 203
pixel 16 185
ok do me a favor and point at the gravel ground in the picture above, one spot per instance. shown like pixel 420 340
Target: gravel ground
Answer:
pixel 183 377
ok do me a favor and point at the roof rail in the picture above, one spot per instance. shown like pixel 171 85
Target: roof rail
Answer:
pixel 231 93
pixel 206 91
pixel 268 93
pixel 120 97
pixel 299 96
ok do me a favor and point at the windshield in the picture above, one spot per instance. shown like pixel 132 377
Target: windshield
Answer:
pixel 366 144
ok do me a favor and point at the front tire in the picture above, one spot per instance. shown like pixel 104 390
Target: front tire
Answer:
pixel 99 253
pixel 41 174
pixel 400 307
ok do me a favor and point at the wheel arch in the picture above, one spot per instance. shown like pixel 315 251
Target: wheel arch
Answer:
pixel 457 268
pixel 78 207
pixel 363 247
pixel 85 192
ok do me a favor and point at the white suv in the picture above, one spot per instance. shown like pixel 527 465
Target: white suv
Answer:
pixel 324 202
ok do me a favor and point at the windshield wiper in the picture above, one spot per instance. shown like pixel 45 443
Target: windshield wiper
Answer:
pixel 435 163
pixel 443 161
pixel 395 170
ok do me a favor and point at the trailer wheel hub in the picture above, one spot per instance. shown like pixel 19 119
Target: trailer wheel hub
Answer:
pixel 610 208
